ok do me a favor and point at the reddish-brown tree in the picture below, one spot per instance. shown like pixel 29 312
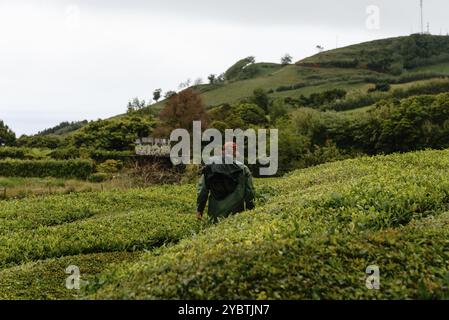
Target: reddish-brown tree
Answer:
pixel 180 112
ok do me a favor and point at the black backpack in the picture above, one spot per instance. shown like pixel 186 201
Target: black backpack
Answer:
pixel 222 179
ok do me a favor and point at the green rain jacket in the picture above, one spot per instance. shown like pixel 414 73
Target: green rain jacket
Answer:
pixel 234 202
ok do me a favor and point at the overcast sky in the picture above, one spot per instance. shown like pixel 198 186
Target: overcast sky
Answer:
pixel 84 59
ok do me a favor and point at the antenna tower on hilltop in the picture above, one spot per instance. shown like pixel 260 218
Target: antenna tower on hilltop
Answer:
pixel 421 2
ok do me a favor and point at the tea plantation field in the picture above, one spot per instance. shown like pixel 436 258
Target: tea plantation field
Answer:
pixel 311 236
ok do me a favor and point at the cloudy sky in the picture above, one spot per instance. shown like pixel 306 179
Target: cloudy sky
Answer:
pixel 84 59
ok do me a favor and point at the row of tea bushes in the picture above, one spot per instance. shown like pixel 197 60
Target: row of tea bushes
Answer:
pixel 76 168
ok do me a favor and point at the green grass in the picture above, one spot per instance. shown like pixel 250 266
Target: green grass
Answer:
pixel 361 51
pixel 316 78
pixel 20 187
pixel 440 67
pixel 327 78
pixel 357 111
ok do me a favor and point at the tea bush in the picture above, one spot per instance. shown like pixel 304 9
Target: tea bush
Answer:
pixel 313 239
pixel 46 168
pixel 311 236
pixel 12 152
pixel 55 226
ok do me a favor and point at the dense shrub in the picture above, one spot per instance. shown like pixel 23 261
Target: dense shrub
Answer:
pixel 12 152
pixel 110 166
pixel 113 134
pixel 64 225
pixel 98 177
pixel 382 87
pixel 7 136
pixel 292 87
pixel 238 69
pixel 322 98
pixel 46 168
pixel 65 153
pixel 390 56
pixel 103 155
pixel 50 141
pixel 360 99
pixel 431 87
pixel 63 128
pixel 394 125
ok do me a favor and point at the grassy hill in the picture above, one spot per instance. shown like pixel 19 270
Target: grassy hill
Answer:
pixel 355 68
pixel 352 68
pixel 386 55
pixel 312 235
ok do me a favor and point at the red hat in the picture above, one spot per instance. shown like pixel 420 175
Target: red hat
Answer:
pixel 230 148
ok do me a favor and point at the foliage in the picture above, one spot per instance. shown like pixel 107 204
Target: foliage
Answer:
pixel 135 105
pixel 286 59
pixel 251 114
pixel 261 99
pixel 7 136
pixel 157 94
pixel 360 99
pixel 313 237
pixel 103 155
pixel 41 141
pixel 383 87
pixel 238 69
pixel 322 98
pixel 387 55
pixel 63 225
pixel 46 168
pixel 180 111
pixel 63 128
pixel 114 134
pixel 98 177
pixel 65 153
pixel 414 123
pixel 12 152
pixel 110 166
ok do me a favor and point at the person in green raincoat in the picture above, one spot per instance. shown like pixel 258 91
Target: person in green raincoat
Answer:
pixel 227 185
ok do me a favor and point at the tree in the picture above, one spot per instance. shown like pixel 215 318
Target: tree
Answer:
pixel 36 141
pixel 157 94
pixel 135 105
pixel 7 136
pixel 184 85
pixel 320 48
pixel 211 78
pixel 260 98
pixel 113 134
pixel 181 110
pixel 278 110
pixel 236 69
pixel 287 59
pixel 221 78
pixel 251 114
pixel 198 81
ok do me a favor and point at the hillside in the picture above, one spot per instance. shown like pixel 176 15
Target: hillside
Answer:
pixel 392 55
pixel 352 68
pixel 401 61
pixel 312 235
